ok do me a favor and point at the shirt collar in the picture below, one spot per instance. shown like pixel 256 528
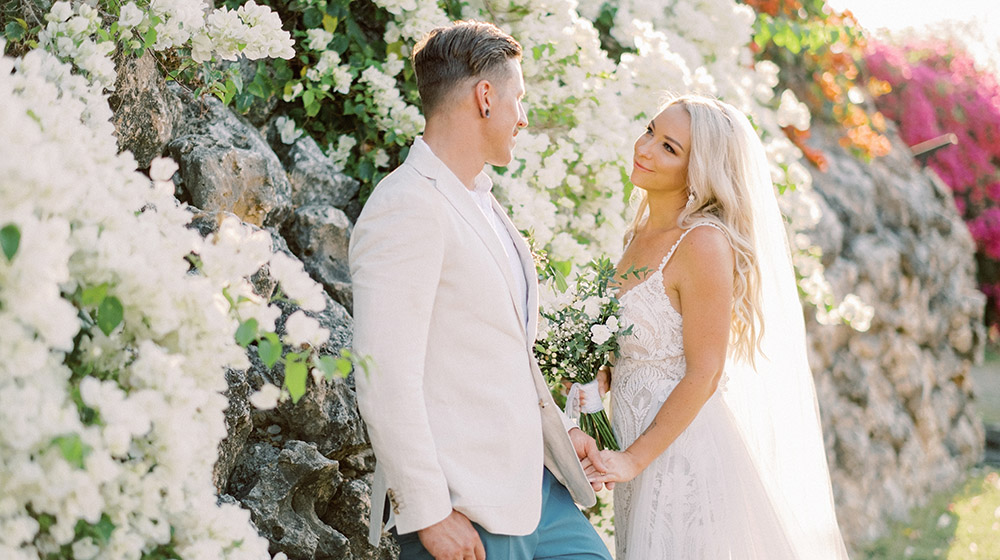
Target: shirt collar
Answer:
pixel 423 159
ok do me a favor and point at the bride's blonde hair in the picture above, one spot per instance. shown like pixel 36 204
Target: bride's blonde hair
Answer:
pixel 718 177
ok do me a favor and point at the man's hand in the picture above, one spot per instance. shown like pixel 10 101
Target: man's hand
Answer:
pixel 590 456
pixel 453 538
pixel 621 466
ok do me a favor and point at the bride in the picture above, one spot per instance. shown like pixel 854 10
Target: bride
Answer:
pixel 712 398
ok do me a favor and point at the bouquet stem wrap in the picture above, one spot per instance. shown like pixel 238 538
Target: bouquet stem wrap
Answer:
pixel 591 417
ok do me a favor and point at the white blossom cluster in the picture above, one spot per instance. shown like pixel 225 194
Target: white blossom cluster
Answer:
pixel 251 30
pixel 339 154
pixel 329 63
pixel 392 112
pixel 71 31
pixel 115 428
pixel 287 130
pixel 414 18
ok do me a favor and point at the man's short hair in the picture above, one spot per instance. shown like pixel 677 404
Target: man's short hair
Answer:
pixel 448 56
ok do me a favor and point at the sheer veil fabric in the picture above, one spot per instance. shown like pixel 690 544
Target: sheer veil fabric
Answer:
pixel 776 498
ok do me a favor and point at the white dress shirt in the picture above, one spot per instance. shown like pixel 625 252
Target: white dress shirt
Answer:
pixel 484 200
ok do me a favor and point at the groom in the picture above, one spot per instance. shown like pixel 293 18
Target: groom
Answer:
pixel 473 455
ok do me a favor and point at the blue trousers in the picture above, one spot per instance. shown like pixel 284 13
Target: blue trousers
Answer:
pixel 563 532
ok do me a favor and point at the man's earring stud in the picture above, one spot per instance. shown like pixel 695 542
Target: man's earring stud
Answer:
pixel 487 114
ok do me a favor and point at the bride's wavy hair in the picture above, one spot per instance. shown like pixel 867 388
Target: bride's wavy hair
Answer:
pixel 718 176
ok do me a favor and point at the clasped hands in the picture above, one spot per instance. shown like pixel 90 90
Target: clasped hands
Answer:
pixel 603 468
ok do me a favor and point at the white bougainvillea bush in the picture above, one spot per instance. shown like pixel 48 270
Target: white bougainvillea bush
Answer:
pixel 117 325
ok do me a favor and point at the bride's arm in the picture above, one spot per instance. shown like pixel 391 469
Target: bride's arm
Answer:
pixel 704 265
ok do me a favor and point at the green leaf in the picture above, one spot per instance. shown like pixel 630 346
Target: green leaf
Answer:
pixel 14 31
pixel 313 109
pixel 109 314
pixel 295 376
pixel 307 98
pixel 344 366
pixel 327 365
pixel 94 295
pixel 247 332
pixel 330 23
pixel 365 170
pixel 45 521
pixel 73 449
pixel 236 78
pixel 229 92
pixel 10 240
pixel 312 17
pixel 763 36
pixel 149 38
pixel 340 43
pixel 257 89
pixel 103 529
pixel 269 349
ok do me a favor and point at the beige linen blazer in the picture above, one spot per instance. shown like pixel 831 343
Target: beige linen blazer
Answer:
pixel 456 408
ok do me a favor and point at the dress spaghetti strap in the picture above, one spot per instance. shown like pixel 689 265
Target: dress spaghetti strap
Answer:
pixel 670 253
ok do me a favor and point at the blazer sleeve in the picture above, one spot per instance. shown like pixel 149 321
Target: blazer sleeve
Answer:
pixel 396 254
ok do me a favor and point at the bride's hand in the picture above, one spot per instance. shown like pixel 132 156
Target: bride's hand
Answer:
pixel 619 466
pixel 603 384
pixel 603 380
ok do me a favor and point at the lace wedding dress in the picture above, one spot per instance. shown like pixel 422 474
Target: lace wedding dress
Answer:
pixel 702 498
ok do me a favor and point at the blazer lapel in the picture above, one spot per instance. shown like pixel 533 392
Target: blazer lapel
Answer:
pixel 424 160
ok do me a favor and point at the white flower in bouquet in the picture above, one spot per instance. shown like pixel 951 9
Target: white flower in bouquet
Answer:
pixel 600 334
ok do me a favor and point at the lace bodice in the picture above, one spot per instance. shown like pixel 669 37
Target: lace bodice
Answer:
pixel 651 360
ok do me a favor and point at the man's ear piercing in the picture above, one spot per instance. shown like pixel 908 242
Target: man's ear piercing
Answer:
pixel 487 114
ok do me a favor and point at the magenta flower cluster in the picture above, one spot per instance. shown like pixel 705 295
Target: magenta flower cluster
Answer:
pixel 937 89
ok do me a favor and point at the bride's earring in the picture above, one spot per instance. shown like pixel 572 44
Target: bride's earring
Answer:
pixel 690 199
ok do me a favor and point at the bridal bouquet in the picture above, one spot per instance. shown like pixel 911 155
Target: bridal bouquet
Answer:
pixel 582 334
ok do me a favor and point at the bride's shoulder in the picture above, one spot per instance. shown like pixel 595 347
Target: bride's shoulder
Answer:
pixel 707 247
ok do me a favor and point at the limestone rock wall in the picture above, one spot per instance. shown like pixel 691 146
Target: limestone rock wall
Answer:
pixel 897 401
